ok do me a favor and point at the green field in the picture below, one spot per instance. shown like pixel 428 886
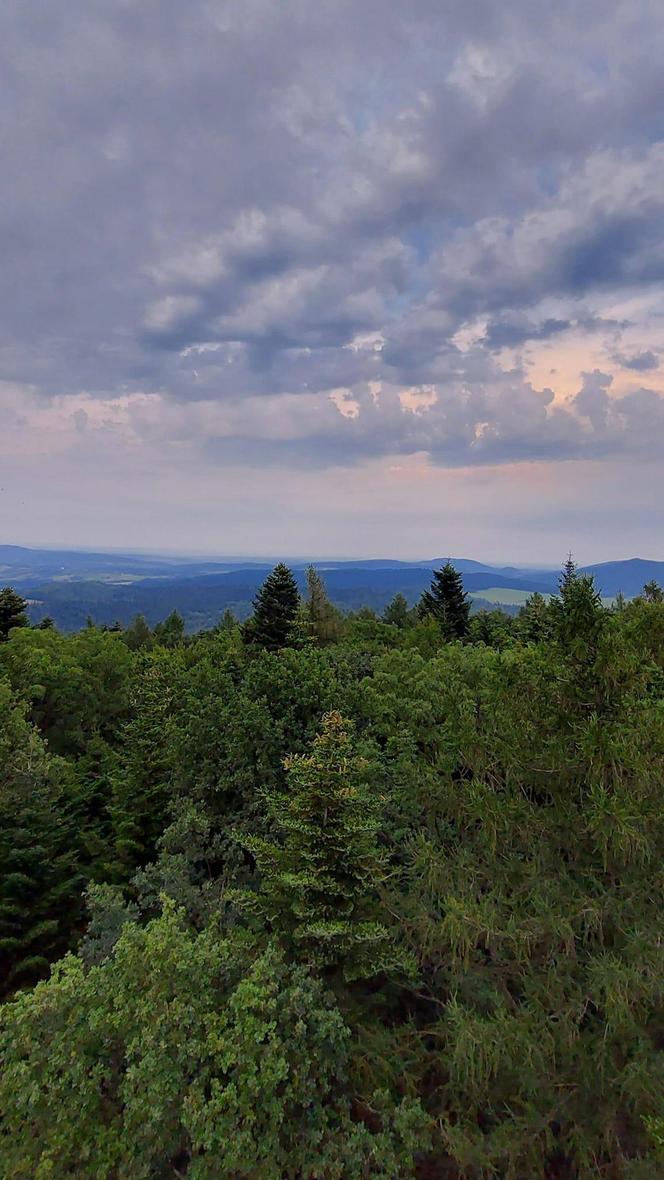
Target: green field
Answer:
pixel 504 596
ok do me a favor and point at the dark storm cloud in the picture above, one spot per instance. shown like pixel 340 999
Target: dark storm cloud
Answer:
pixel 227 202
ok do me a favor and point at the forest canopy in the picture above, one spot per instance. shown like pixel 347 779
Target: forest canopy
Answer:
pixel 335 896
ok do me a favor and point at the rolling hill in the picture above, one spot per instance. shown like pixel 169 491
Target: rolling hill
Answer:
pixel 71 586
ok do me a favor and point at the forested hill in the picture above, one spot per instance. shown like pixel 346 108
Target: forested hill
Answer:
pixel 335 896
pixel 70 587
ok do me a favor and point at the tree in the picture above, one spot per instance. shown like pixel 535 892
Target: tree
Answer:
pixel 492 627
pixel 142 787
pixel 447 602
pixel 186 1054
pixel 275 610
pixel 577 613
pixel 228 621
pixel 653 592
pixel 397 612
pixel 534 621
pixel 77 685
pixel 531 834
pixel 569 573
pixel 322 619
pixel 318 886
pixel 138 634
pixel 40 885
pixel 171 632
pixel 13 612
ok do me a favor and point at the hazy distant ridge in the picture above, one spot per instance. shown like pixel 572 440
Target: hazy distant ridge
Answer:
pixel 72 585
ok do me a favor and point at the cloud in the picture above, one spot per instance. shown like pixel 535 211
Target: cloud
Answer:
pixel 641 362
pixel 227 222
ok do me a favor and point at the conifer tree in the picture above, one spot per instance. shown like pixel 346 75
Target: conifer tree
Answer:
pixel 13 612
pixel 138 634
pixel 39 884
pixel 141 791
pixel 653 592
pixel 275 610
pixel 535 622
pixel 577 611
pixel 322 619
pixel 447 602
pixel 569 573
pixel 171 632
pixel 397 612
pixel 318 886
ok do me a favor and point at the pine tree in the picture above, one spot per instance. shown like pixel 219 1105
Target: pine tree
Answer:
pixel 397 612
pixel 275 610
pixel 447 602
pixel 318 886
pixel 322 619
pixel 13 612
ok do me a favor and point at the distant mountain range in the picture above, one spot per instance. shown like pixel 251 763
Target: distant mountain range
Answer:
pixel 72 585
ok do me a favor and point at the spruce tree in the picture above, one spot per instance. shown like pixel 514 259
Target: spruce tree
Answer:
pixel 318 885
pixel 577 612
pixel 275 610
pixel 13 612
pixel 447 602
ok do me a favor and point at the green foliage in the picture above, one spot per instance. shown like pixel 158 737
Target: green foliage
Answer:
pixel 322 620
pixel 142 784
pixel 529 895
pixel 535 623
pixel 170 633
pixel 493 628
pixel 447 602
pixel 179 1055
pixel 13 612
pixel 486 814
pixel 397 613
pixel 653 592
pixel 138 635
pixel 275 610
pixel 77 686
pixel 319 885
pixel 39 881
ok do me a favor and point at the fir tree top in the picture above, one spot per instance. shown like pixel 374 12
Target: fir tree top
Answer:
pixel 13 611
pixel 447 602
pixel 275 610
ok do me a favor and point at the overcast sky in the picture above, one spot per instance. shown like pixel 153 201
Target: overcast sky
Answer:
pixel 350 277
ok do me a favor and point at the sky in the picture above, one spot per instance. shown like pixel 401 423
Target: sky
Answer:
pixel 352 277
